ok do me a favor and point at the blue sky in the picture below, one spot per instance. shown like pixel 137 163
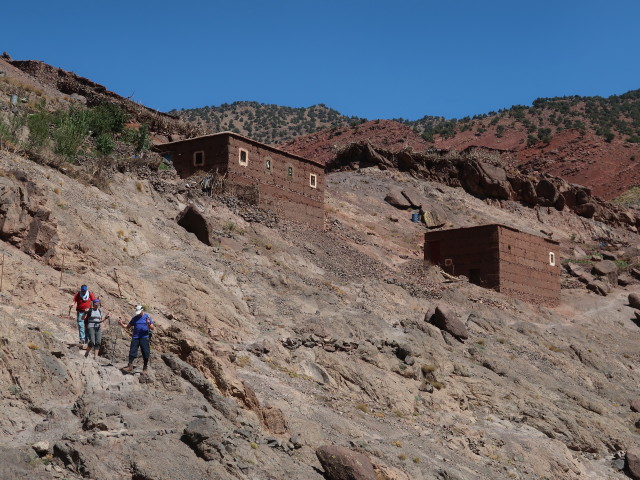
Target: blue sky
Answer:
pixel 374 59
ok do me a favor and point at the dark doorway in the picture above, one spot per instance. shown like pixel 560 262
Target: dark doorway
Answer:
pixel 434 252
pixel 474 276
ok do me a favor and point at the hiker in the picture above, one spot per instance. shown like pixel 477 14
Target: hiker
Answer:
pixel 83 300
pixel 142 325
pixel 94 320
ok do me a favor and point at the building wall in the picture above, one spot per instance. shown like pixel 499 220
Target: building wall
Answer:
pixel 525 271
pixel 290 197
pixel 497 257
pixel 215 155
pixel 473 252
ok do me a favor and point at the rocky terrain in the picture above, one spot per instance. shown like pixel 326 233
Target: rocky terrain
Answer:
pixel 284 351
pixel 279 340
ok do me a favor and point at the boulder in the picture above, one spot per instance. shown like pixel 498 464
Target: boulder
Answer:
pixel 547 193
pixel 635 273
pixel 634 300
pixel 433 219
pixel 341 463
pixel 398 200
pixel 607 269
pixel 625 280
pixel 413 197
pixel 560 203
pixel 446 320
pixel 635 405
pixel 575 269
pixel 204 437
pixel 582 197
pixel 586 210
pixel 274 420
pixel 599 287
pixel 633 463
pixel 486 180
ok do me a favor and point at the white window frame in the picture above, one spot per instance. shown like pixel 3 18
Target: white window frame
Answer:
pixel 313 180
pixel 290 169
pixel 268 164
pixel 246 161
pixel 552 259
pixel 194 159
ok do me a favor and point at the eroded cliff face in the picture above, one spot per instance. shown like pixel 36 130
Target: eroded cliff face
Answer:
pixel 278 340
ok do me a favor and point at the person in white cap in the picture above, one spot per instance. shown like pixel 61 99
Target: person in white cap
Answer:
pixel 142 326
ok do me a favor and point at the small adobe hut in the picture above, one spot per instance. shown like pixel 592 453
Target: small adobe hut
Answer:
pixel 290 185
pixel 499 257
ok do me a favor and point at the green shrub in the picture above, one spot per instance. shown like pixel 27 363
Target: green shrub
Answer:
pixel 38 124
pixel 105 144
pixel 106 118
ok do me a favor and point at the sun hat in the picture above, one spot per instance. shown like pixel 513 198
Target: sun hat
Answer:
pixel 97 300
pixel 139 309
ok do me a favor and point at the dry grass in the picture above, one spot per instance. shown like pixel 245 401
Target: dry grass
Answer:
pixel 243 361
pixel 33 346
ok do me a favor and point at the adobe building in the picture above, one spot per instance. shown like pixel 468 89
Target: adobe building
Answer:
pixel 287 184
pixel 502 258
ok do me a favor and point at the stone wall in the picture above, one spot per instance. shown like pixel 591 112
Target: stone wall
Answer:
pixel 290 196
pixel 500 258
pixel 215 154
pixel 525 269
pixel 473 253
pixel 286 192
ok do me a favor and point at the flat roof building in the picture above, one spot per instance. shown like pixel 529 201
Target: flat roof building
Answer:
pixel 289 185
pixel 499 257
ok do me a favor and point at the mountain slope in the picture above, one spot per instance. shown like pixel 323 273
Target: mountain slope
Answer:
pixel 266 123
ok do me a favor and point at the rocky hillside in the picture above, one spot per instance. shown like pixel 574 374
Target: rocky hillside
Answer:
pixel 266 123
pixel 287 352
pixel 284 351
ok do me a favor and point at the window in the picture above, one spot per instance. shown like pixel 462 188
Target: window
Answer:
pixel 312 180
pixel 198 158
pixel 168 157
pixel 268 164
pixel 243 157
pixel 290 171
pixel 552 259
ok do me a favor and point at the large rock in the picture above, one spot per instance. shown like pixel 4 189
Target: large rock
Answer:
pixel 635 405
pixel 608 270
pixel 413 197
pixel 601 288
pixel 547 193
pixel 634 300
pixel 396 199
pixel 586 210
pixel 486 180
pixel 446 320
pixel 341 463
pixel 203 436
pixel 633 463
pixel 274 420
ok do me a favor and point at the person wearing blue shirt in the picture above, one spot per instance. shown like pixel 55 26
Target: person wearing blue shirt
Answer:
pixel 142 326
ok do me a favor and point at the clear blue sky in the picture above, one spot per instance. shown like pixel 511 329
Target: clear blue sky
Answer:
pixel 374 59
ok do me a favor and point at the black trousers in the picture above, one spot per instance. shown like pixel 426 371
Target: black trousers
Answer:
pixel 143 344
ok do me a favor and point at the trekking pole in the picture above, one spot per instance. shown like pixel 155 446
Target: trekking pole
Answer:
pixel 113 344
pixel 61 271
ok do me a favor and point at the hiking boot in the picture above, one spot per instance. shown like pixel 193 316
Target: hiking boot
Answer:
pixel 83 346
pixel 145 370
pixel 128 369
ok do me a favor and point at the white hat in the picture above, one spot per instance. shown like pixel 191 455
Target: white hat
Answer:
pixel 139 309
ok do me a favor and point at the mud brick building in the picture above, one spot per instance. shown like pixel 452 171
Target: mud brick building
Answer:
pixel 289 185
pixel 502 258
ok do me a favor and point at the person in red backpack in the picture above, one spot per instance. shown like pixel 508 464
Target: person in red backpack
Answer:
pixel 83 300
